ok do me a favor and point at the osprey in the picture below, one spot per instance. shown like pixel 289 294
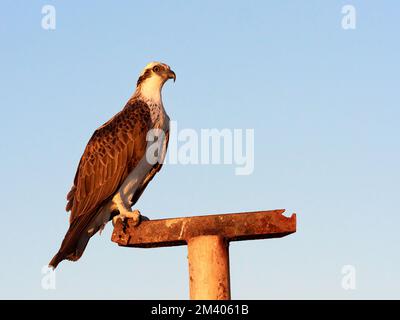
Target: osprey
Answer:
pixel 115 167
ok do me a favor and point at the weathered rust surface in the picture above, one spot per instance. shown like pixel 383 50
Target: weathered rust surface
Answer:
pixel 178 231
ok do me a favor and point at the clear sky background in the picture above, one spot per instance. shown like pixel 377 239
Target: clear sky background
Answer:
pixel 324 103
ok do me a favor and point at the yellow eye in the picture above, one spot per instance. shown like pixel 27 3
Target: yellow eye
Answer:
pixel 156 68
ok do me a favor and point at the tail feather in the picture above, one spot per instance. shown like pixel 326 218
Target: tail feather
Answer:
pixel 56 260
pixel 75 240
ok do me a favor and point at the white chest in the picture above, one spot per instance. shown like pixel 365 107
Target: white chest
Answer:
pixel 159 117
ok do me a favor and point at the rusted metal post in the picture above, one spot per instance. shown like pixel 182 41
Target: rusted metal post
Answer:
pixel 209 268
pixel 208 240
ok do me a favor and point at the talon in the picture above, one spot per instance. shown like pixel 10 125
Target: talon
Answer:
pixel 115 219
pixel 134 215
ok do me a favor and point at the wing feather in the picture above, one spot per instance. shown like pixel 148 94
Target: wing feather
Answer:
pixel 114 148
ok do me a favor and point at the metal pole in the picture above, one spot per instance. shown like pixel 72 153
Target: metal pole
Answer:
pixel 209 268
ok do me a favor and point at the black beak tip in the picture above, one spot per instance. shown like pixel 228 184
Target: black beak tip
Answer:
pixel 172 75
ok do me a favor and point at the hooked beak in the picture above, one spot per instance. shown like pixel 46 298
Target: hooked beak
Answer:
pixel 171 75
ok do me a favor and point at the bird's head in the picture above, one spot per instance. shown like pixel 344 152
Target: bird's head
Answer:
pixel 152 79
pixel 156 72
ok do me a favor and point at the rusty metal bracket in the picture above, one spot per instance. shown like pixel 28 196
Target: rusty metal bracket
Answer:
pixel 208 240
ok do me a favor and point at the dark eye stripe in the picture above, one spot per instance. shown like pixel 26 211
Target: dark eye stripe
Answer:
pixel 146 75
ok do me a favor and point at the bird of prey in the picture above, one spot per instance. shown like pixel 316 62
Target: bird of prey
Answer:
pixel 115 168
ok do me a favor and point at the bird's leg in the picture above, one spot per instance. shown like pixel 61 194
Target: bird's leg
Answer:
pixel 134 215
pixel 127 214
pixel 125 211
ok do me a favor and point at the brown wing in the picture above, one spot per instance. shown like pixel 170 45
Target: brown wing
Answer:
pixel 111 153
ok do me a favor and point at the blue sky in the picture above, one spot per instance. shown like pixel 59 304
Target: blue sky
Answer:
pixel 323 103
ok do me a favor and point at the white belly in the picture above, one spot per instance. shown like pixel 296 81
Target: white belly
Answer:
pixel 133 181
